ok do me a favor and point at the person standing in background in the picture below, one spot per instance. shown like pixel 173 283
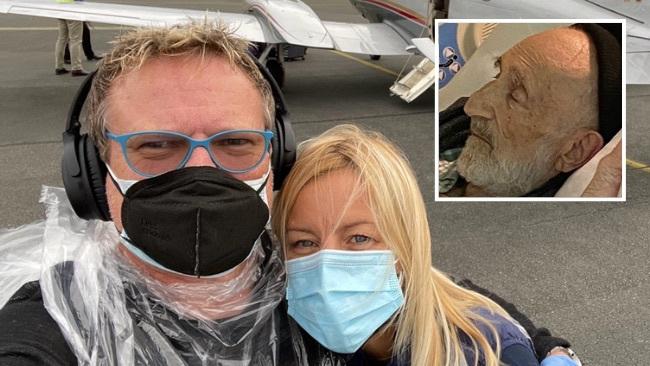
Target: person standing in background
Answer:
pixel 86 45
pixel 70 32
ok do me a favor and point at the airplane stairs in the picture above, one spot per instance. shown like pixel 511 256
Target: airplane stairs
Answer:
pixel 419 79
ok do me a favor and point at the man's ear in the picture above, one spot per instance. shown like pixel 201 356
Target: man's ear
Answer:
pixel 578 150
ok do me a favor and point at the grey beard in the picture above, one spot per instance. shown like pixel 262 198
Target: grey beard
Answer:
pixel 505 176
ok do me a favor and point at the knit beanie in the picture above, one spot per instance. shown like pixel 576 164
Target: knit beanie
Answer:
pixel 607 40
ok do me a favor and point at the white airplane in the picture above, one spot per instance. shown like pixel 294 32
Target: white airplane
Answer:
pixel 396 27
pixel 636 13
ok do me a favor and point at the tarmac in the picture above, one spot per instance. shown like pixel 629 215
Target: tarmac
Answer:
pixel 580 269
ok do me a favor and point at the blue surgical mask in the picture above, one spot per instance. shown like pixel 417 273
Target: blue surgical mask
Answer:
pixel 342 297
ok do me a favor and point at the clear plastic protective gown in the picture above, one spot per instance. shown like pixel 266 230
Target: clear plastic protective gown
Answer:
pixel 112 314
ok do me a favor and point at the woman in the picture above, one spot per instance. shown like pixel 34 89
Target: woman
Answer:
pixel 360 278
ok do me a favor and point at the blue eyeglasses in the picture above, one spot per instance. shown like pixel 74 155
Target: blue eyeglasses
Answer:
pixel 150 153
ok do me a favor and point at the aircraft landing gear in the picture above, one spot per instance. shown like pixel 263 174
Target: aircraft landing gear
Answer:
pixel 271 56
pixel 276 68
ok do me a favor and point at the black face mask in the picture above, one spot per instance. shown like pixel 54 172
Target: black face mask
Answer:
pixel 197 220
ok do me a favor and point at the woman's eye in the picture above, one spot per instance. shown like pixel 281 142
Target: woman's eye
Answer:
pixel 360 239
pixel 304 244
pixel 302 247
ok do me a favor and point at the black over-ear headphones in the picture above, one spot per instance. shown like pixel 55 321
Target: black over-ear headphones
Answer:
pixel 84 173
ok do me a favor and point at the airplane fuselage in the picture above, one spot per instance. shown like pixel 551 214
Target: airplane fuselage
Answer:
pixel 410 16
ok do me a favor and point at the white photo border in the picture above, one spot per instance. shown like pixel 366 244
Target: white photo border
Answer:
pixel 623 197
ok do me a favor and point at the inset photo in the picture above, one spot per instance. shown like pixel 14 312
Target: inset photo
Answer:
pixel 530 110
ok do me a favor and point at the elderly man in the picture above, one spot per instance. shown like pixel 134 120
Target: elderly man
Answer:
pixel 553 103
pixel 186 273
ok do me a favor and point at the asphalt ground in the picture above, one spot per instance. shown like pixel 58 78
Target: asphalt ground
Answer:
pixel 579 269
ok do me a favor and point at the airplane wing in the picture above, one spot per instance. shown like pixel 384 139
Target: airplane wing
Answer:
pixel 290 22
pixel 426 47
pixel 636 13
pixel 246 26
pixel 369 38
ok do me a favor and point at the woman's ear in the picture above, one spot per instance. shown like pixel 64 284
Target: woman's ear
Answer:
pixel 578 150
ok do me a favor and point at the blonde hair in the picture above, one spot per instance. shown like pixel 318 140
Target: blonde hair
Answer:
pixel 435 310
pixel 132 49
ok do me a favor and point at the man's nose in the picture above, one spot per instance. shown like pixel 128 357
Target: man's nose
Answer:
pixel 200 157
pixel 480 103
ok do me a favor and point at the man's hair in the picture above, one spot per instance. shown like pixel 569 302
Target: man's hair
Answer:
pixel 132 50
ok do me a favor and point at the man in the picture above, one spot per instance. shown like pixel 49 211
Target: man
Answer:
pixel 541 117
pixel 186 272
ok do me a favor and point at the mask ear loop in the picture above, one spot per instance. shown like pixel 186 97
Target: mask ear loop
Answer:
pixel 253 183
pixel 261 190
pixel 266 179
pixel 122 185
